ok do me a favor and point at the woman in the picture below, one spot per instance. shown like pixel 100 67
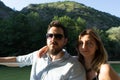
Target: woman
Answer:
pixel 93 56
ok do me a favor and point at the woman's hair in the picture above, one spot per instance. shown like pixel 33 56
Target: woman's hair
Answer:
pixel 100 54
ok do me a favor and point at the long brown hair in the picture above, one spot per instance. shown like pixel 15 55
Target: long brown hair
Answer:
pixel 100 54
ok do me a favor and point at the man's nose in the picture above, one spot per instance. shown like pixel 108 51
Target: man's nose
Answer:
pixel 53 38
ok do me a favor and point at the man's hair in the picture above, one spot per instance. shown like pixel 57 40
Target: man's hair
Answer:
pixel 58 25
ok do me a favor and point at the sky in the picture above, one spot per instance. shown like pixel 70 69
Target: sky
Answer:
pixel 109 6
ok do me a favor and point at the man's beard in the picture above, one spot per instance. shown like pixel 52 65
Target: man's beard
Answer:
pixel 54 51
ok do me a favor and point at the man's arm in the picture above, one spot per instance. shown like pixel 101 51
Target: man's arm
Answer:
pixel 8 61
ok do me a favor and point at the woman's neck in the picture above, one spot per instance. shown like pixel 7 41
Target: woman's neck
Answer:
pixel 88 61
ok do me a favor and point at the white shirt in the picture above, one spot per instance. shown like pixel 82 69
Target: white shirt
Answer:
pixel 66 68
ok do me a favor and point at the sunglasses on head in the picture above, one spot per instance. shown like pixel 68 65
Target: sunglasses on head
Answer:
pixel 57 36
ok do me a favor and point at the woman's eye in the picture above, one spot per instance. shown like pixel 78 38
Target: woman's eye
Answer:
pixel 80 43
pixel 90 44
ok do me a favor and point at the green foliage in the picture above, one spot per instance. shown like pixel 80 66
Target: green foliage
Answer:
pixel 114 33
pixel 21 34
pixel 74 10
pixel 114 37
pixel 12 33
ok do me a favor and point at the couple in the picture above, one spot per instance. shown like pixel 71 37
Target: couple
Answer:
pixel 54 63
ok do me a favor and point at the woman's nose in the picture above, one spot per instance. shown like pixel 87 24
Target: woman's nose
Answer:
pixel 84 46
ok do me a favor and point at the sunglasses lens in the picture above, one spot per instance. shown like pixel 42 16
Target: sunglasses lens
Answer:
pixel 49 35
pixel 57 36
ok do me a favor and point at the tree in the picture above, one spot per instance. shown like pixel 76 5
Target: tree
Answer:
pixel 113 34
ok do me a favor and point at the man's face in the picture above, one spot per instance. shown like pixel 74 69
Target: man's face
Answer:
pixel 55 40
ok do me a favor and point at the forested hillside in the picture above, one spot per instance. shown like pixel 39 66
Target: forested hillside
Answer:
pixel 74 10
pixel 4 11
pixel 24 31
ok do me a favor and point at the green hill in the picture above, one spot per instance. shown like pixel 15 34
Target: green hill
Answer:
pixel 74 10
pixel 5 11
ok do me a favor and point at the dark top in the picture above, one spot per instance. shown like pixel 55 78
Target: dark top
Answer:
pixel 96 78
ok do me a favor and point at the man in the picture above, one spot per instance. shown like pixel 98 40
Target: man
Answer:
pixel 56 64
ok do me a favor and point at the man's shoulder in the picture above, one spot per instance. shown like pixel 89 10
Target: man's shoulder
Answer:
pixel 73 59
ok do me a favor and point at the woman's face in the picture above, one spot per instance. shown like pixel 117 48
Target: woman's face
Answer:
pixel 87 46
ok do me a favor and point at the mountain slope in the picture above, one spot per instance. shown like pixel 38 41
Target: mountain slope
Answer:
pixel 94 18
pixel 5 11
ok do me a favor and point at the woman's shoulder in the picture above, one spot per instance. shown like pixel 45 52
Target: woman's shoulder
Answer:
pixel 105 67
pixel 106 71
